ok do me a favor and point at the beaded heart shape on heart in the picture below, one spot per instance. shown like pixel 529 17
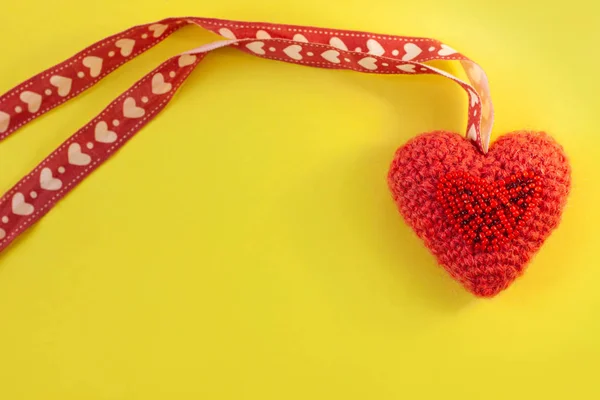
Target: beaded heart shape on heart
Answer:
pixel 487 215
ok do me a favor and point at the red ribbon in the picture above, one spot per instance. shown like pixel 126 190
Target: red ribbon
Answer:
pixel 34 195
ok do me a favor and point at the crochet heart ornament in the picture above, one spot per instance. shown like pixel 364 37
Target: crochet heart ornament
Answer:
pixel 483 216
pixel 483 212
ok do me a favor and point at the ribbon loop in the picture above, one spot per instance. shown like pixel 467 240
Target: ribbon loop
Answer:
pixel 32 197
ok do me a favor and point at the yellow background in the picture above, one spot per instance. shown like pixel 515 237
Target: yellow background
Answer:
pixel 244 244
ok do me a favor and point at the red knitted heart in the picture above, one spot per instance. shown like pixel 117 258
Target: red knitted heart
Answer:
pixel 482 216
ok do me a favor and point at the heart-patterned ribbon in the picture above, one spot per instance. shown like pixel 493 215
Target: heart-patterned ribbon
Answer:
pixel 34 195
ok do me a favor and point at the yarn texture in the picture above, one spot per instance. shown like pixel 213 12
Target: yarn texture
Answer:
pixel 414 178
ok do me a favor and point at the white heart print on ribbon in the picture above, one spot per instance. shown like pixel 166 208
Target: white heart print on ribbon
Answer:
pixel 159 86
pixel 33 101
pixel 293 51
pixel 125 46
pixel 158 29
pixel 368 63
pixel 332 56
pixel 256 47
pixel 77 157
pixel 131 110
pixel 411 51
pixel 20 206
pixel 62 84
pixel 186 60
pixel 406 68
pixel 262 35
pixel 337 42
pixel 446 51
pixel 375 47
pixel 48 181
pixel 103 135
pixel 226 33
pixel 94 64
pixel 4 121
pixel 472 134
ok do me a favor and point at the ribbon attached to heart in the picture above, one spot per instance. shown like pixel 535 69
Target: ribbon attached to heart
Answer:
pixel 34 195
